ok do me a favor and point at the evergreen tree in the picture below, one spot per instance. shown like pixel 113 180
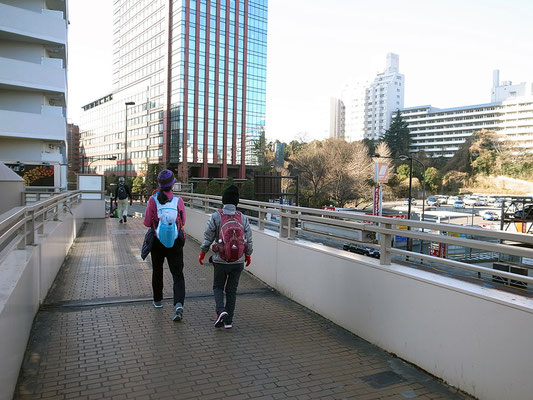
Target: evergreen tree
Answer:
pixel 397 136
pixel 213 188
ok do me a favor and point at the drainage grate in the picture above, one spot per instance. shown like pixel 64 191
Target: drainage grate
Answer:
pixel 383 379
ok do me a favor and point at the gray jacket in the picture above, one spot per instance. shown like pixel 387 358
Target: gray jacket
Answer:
pixel 212 231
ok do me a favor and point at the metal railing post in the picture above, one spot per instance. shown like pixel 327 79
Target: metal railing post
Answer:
pixel 283 225
pixel 30 227
pixel 262 216
pixel 291 223
pixel 385 243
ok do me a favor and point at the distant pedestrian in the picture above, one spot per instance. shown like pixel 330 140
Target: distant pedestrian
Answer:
pixel 166 213
pixel 231 231
pixel 122 194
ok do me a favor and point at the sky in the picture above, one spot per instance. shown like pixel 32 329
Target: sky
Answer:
pixel 448 50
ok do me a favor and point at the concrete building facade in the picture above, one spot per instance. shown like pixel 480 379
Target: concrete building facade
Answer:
pixel 370 105
pixel 33 86
pixel 441 132
pixel 336 118
pixel 196 71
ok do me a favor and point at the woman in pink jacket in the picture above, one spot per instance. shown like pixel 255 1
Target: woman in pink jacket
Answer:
pixel 174 254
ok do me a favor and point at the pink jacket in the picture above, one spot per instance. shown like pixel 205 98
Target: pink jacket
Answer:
pixel 151 210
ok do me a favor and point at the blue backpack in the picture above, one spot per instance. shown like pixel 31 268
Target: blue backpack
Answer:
pixel 170 226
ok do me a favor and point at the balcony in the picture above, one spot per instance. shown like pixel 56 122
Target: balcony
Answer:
pixel 46 27
pixel 51 124
pixel 49 76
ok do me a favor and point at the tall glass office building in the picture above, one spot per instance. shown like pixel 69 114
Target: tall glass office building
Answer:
pixel 196 70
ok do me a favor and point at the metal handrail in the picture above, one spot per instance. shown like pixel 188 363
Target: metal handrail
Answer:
pixel 19 226
pixel 291 218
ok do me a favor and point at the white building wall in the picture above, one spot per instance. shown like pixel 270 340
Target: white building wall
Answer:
pixel 353 97
pixel 440 132
pixel 517 122
pixel 371 105
pixel 33 54
pixel 337 119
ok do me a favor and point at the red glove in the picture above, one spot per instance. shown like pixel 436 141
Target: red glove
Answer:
pixel 201 258
pixel 248 260
pixel 115 203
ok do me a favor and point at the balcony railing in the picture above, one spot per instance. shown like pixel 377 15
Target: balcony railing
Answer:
pixel 291 222
pixel 19 226
pixel 48 76
pixel 48 27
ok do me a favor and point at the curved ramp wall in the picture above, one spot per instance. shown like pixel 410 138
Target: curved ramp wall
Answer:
pixel 475 338
pixel 25 279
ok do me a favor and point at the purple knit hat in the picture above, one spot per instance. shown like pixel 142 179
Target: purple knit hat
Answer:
pixel 166 179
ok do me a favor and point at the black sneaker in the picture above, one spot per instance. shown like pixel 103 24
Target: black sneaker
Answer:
pixel 125 219
pixel 220 319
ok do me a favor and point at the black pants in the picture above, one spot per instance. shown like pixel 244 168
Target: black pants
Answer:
pixel 226 279
pixel 174 258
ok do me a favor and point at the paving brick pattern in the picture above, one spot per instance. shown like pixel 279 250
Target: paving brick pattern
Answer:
pixel 98 337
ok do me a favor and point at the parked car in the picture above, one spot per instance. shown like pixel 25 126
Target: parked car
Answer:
pixel 498 203
pixel 490 216
pixel 432 201
pixel 373 253
pixel 354 248
pixel 482 201
pixel 471 201
pixel 459 204
pixel 406 201
pixel 360 249
pixel 453 199
pixel 526 214
pixel 491 199
pixel 441 199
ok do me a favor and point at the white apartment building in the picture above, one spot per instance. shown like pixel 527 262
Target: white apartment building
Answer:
pixel 33 89
pixel 441 132
pixel 371 104
pixel 336 118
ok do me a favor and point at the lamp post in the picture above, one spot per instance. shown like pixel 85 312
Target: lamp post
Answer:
pixel 100 159
pixel 128 103
pixel 410 199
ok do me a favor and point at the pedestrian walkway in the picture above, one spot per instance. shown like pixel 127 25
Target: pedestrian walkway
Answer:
pixel 97 336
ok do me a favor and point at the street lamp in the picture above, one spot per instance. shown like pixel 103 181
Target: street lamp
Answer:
pixel 128 103
pixel 100 159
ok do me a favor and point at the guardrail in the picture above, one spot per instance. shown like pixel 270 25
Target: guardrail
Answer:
pixel 290 221
pixel 19 226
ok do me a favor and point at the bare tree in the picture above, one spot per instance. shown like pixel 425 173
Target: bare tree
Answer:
pixel 311 164
pixel 349 172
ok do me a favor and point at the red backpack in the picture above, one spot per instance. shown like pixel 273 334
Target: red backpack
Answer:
pixel 231 244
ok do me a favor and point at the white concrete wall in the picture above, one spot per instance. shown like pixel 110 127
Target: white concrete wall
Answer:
pixel 29 20
pixel 25 278
pixel 30 102
pixel 475 338
pixel 29 52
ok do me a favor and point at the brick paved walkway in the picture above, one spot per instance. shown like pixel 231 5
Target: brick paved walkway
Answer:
pixel 98 336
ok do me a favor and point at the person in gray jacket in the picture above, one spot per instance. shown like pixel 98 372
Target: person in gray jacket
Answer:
pixel 226 273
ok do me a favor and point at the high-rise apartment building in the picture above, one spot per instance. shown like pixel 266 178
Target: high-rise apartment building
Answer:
pixel 370 105
pixel 196 71
pixel 33 87
pixel 336 118
pixel 441 132
pixel 73 148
